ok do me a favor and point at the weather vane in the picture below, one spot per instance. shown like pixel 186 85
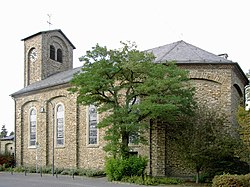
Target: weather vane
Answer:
pixel 49 22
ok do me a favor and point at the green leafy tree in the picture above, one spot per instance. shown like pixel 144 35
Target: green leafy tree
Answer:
pixel 12 133
pixel 247 92
pixel 131 89
pixel 4 132
pixel 202 141
pixel 243 117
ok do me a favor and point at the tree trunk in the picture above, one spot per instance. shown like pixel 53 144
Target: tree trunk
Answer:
pixel 125 148
pixel 197 176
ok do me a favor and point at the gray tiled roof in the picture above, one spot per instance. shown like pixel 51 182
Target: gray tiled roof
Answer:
pixel 49 31
pixel 185 53
pixel 180 51
pixel 53 80
pixel 8 138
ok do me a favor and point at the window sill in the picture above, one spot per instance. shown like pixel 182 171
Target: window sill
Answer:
pixel 133 145
pixel 93 146
pixel 32 147
pixel 60 147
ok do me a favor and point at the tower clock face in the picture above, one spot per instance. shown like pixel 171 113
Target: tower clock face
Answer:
pixel 33 55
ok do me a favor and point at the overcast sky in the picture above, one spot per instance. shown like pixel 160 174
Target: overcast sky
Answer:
pixel 217 26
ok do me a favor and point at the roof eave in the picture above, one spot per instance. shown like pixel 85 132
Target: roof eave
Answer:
pixel 18 94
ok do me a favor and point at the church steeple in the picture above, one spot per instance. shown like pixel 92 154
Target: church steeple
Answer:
pixel 46 53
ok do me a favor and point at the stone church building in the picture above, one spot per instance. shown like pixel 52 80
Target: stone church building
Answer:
pixel 51 128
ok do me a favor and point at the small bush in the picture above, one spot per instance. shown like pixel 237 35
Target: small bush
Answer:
pixel 229 164
pixel 31 169
pixel 227 180
pixel 7 160
pixel 47 170
pixel 66 172
pixel 93 173
pixel 89 172
pixel 58 170
pixel 19 169
pixel 118 168
pixel 151 180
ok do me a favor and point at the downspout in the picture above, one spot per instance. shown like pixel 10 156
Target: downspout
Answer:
pixel 166 130
pixel 150 148
pixel 77 135
pixel 21 134
pixel 15 129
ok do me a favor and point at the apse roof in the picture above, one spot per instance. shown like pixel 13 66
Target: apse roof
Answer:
pixel 185 53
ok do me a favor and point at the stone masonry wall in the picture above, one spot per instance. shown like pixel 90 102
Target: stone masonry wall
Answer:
pixel 215 88
pixel 75 152
pixel 59 42
pixel 90 156
pixel 32 70
pixel 44 66
pixel 7 146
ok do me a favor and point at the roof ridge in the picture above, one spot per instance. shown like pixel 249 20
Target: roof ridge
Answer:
pixel 194 50
pixel 221 58
pixel 176 43
pixel 47 31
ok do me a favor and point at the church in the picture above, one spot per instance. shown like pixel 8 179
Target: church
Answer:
pixel 52 129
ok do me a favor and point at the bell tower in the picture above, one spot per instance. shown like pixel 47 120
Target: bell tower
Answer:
pixel 46 53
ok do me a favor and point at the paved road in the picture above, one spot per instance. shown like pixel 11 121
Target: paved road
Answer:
pixel 35 180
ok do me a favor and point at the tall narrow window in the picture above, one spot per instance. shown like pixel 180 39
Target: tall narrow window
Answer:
pixel 59 55
pixel 52 53
pixel 32 127
pixel 134 136
pixel 92 125
pixel 60 125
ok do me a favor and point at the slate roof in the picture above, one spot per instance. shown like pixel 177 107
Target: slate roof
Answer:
pixel 8 138
pixel 183 52
pixel 53 80
pixel 180 52
pixel 44 32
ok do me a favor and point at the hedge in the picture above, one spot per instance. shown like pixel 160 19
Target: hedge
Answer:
pixel 227 180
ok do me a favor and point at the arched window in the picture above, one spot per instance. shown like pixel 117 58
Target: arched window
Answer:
pixel 52 53
pixel 60 125
pixel 59 55
pixel 92 128
pixel 32 141
pixel 133 137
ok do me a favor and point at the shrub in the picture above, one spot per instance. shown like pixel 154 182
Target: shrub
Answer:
pixel 58 170
pixel 31 169
pixel 227 180
pixel 47 170
pixel 65 172
pixel 92 173
pixel 229 164
pixel 19 169
pixel 7 160
pixel 147 180
pixel 118 168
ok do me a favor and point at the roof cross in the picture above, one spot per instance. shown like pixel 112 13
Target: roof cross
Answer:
pixel 49 22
